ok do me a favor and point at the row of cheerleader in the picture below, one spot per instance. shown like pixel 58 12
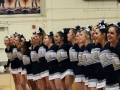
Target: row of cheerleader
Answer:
pixel 88 56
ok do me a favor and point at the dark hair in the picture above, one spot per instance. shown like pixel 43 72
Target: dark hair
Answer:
pixel 74 30
pixel 27 44
pixel 41 32
pixel 51 36
pixel 116 26
pixel 102 26
pixel 64 35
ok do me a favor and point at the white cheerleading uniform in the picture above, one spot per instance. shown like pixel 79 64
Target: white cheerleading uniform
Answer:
pixel 43 61
pixel 64 61
pixel 53 66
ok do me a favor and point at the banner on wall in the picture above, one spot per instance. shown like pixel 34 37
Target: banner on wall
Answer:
pixel 19 7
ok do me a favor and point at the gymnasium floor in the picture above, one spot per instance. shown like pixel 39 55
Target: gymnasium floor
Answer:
pixel 6 82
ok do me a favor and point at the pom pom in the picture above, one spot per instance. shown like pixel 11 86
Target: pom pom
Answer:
pixel 2 69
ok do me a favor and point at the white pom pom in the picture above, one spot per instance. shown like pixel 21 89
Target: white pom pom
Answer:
pixel 2 69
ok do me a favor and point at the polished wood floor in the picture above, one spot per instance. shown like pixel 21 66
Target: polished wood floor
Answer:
pixel 6 82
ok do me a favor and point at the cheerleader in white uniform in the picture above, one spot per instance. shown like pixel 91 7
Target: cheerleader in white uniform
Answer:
pixel 23 78
pixel 43 62
pixel 14 64
pixel 67 75
pixel 53 65
pixel 35 63
pixel 81 80
pixel 114 39
pixel 106 57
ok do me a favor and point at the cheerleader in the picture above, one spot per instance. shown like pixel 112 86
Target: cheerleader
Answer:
pixel 42 61
pixel 80 84
pixel 35 62
pixel 113 38
pixel 53 66
pixel 11 54
pixel 23 78
pixel 67 75
pixel 73 53
pixel 101 83
pixel 106 57
pixel 25 44
pixel 85 39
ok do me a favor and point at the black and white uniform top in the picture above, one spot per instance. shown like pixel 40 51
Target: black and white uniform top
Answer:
pixel 35 63
pixel 73 54
pixel 106 61
pixel 81 76
pixel 43 62
pixel 53 65
pixel 95 52
pixel 11 54
pixel 19 56
pixel 81 63
pixel 15 51
pixel 116 61
pixel 89 65
pixel 27 63
pixel 64 61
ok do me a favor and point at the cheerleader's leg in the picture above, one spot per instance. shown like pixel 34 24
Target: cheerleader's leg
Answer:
pixel 52 84
pixel 69 79
pixel 58 84
pixel 24 82
pixel 47 82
